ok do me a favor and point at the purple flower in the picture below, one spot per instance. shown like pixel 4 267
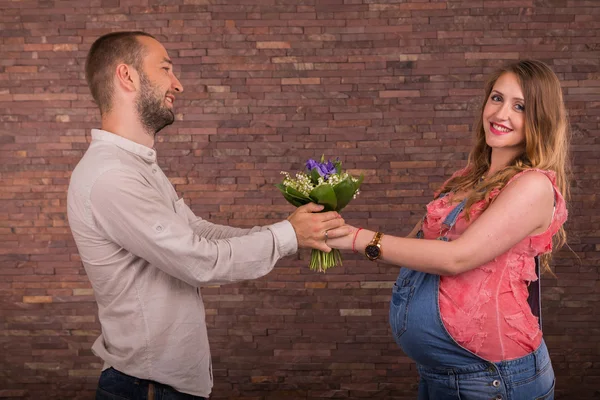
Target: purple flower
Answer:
pixel 325 169
pixel 311 164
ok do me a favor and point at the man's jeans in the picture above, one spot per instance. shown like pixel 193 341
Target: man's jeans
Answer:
pixel 115 385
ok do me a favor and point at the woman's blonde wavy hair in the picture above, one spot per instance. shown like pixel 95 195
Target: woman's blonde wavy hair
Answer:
pixel 546 141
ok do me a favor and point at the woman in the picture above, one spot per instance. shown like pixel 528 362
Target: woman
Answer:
pixel 459 306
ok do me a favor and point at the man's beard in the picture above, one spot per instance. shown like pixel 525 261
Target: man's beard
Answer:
pixel 151 108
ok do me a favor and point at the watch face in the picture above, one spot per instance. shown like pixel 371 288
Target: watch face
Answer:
pixel 372 251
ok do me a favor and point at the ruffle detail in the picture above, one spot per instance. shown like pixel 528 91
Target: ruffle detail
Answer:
pixel 437 211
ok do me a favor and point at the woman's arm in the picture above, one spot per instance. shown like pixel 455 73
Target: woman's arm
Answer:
pixel 524 207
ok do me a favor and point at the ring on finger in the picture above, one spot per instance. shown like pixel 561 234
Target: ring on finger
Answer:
pixel 326 236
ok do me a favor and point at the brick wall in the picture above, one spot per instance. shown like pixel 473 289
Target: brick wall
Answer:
pixel 389 86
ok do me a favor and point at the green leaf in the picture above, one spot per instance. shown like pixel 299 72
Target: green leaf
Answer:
pixel 293 196
pixel 294 200
pixel 324 195
pixel 344 192
pixel 314 176
pixel 338 166
pixel 361 178
pixel 293 192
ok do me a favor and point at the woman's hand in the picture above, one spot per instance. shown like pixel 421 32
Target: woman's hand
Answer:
pixel 343 242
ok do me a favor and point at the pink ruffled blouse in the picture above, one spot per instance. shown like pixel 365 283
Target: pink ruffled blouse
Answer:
pixel 485 309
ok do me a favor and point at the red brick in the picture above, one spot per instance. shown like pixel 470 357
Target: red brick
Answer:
pixel 399 93
pixel 272 45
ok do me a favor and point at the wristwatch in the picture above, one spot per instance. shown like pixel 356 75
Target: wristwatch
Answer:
pixel 373 249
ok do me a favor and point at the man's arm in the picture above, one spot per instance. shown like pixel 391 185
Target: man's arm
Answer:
pixel 308 222
pixel 209 230
pixel 133 214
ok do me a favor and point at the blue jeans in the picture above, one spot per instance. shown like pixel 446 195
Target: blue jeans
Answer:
pixel 527 378
pixel 115 385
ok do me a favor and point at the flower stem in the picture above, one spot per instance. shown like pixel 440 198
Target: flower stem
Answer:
pixel 321 261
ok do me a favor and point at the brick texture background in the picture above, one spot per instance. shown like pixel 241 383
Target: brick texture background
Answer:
pixel 390 86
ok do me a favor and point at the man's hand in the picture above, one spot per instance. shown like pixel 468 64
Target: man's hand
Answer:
pixel 311 226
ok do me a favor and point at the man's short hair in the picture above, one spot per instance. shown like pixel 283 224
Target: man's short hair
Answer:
pixel 106 52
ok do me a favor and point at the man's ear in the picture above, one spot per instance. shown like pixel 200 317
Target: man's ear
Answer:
pixel 127 78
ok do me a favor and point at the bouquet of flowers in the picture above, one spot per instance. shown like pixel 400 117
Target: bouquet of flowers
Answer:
pixel 322 183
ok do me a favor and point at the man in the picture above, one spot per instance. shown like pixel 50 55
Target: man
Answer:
pixel 143 249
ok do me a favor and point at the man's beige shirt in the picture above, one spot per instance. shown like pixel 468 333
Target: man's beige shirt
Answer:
pixel 146 254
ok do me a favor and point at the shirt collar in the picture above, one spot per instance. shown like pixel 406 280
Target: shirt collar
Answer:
pixel 146 153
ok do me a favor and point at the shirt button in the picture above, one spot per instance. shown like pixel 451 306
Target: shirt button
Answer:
pixel 153 170
pixel 499 397
pixel 496 383
pixel 150 153
pixel 159 228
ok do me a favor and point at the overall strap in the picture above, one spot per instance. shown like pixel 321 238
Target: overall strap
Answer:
pixel 451 219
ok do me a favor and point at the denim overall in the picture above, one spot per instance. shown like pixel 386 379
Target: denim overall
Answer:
pixel 447 370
